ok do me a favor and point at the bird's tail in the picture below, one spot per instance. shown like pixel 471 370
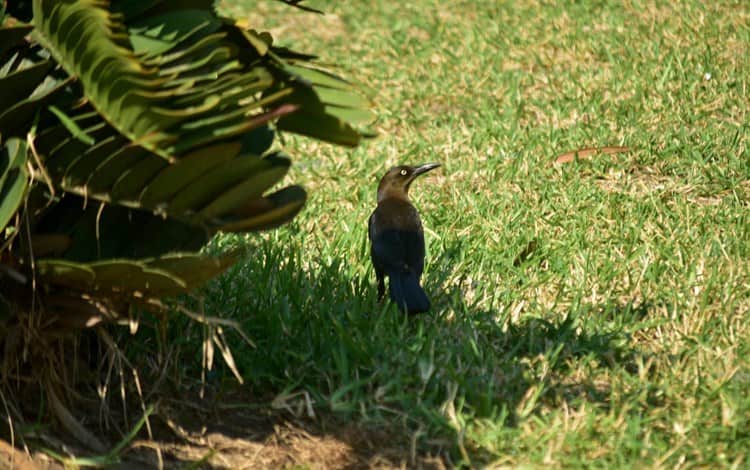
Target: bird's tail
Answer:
pixel 407 293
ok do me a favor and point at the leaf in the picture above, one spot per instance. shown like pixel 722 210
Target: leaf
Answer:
pixel 119 275
pixel 49 137
pixel 250 188
pixel 187 171
pixel 72 127
pixel 269 212
pixel 81 169
pixel 161 135
pixel 133 275
pixel 99 233
pixel 338 97
pixel 568 157
pixel 13 179
pixel 227 129
pixel 353 116
pixel 327 128
pixel 171 274
pixel 67 273
pixel 132 9
pixel 193 268
pixel 11 36
pixel 215 181
pixel 257 141
pixel 154 35
pixel 14 121
pixel 21 83
pixel 112 168
pixel 137 99
pixel 320 77
pixel 131 182
pixel 70 149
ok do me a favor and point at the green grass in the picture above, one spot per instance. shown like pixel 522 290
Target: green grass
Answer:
pixel 622 338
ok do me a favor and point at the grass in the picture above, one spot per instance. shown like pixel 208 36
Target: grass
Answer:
pixel 621 336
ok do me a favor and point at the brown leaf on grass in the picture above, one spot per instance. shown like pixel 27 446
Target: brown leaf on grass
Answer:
pixel 580 154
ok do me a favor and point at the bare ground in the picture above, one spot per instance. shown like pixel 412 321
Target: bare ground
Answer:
pixel 188 435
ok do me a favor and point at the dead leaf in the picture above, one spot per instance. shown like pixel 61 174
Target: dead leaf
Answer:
pixel 573 155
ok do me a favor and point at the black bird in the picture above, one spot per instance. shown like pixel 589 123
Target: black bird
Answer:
pixel 397 239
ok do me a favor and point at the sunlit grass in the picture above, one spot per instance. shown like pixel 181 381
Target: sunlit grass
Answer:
pixel 622 333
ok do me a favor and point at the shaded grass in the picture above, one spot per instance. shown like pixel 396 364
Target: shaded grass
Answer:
pixel 622 334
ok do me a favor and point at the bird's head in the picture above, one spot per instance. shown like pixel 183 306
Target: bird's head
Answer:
pixel 397 180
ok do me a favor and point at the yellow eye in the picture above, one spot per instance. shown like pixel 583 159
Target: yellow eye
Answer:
pixel 403 172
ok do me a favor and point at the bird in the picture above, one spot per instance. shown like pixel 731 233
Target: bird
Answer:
pixel 397 239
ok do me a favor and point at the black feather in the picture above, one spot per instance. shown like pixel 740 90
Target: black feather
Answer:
pixel 407 293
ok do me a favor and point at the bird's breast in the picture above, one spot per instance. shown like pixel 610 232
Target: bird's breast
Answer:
pixel 395 214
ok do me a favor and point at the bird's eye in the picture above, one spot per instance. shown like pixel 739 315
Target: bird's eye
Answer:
pixel 403 172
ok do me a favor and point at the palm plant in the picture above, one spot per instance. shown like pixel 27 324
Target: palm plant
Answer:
pixel 131 131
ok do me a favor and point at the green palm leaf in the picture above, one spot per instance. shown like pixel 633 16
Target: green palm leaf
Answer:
pixel 13 179
pixel 152 126
pixel 168 275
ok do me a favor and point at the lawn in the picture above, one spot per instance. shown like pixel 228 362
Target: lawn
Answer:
pixel 594 312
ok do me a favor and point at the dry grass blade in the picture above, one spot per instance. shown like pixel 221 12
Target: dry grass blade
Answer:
pixel 215 321
pixel 220 341
pixel 208 356
pixel 118 359
pixel 11 451
pixel 145 419
pixel 580 154
pixel 42 169
pixel 6 270
pixel 73 425
pixel 77 311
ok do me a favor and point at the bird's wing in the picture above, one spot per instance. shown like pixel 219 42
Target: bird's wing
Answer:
pixel 399 250
pixel 415 252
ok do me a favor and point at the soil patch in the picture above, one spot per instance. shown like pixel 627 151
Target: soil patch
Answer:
pixel 190 433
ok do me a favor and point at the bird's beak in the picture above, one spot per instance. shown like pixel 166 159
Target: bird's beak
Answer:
pixel 424 169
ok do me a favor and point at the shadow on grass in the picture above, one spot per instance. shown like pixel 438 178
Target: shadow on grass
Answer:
pixel 324 343
pixel 543 358
pixel 338 380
